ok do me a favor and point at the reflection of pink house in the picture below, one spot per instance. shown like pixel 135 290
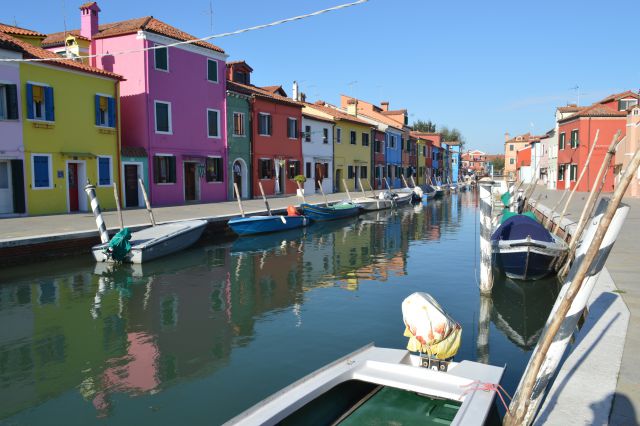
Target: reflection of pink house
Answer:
pixel 173 103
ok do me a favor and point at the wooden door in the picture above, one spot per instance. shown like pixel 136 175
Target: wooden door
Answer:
pixel 237 179
pixel 319 176
pixel 72 177
pixel 190 181
pixel 6 194
pixel 131 185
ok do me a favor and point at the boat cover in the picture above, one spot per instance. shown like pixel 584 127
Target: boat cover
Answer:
pixel 506 198
pixel 519 227
pixel 506 214
pixel 429 329
pixel 119 246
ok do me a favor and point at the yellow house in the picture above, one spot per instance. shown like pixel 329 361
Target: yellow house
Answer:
pixel 352 147
pixel 70 132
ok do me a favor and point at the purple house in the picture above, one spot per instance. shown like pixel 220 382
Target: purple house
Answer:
pixel 173 105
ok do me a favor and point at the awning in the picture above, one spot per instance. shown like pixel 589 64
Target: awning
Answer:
pixel 78 154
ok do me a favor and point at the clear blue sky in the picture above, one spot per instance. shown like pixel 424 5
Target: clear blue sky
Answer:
pixel 483 67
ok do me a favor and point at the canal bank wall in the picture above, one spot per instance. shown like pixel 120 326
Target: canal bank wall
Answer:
pixel 31 239
pixel 598 382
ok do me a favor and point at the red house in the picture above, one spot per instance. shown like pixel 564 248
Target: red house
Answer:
pixel 275 133
pixel 379 161
pixel 576 136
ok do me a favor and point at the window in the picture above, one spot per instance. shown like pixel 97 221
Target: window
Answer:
pixel 401 143
pixel 561 141
pixel 512 160
pixel 105 111
pixel 214 172
pixel 8 102
pixel 325 168
pixel 325 135
pixel 41 171
pixel 264 124
pixel 573 172
pixel 363 172
pixel 104 171
pixel 308 170
pixel 392 141
pixel 213 123
pixel 161 56
pixel 365 139
pixel 163 117
pixel 307 133
pixel 293 168
pixel 265 168
pixel 164 169
pixel 40 104
pixel 338 135
pixel 624 104
pixel 292 128
pixel 238 124
pixel 561 168
pixel 574 138
pixel 511 147
pixel 350 172
pixel 353 137
pixel 212 70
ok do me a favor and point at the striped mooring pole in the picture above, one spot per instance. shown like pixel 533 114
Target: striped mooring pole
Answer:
pixel 95 206
pixel 486 205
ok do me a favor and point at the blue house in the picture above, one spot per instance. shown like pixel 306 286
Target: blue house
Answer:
pixel 393 156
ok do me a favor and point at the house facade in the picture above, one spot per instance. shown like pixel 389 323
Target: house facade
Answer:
pixel 239 165
pixel 628 146
pixel 523 165
pixel 425 152
pixel 511 148
pixel 379 158
pixel 317 151
pixel 173 102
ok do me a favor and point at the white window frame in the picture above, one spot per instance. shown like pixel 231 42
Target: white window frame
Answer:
pixel 155 118
pixel 176 171
pixel 244 133
pixel 295 129
pixel 338 135
pixel 217 70
pixel 218 136
pixel 33 172
pixel 264 114
pixel 106 124
pixel 3 101
pixel 110 168
pixel 222 167
pixel 154 58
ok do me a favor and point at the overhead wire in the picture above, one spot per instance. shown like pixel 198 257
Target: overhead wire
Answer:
pixel 179 43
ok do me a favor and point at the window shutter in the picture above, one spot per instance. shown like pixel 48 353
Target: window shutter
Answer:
pixel 12 101
pixel 111 102
pixel 104 174
pixel 41 171
pixel 269 124
pixel 30 113
pixel 48 104
pixel 172 169
pixel 97 106
pixel 156 169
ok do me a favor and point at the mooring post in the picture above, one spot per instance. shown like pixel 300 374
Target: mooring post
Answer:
pixel 486 206
pixel 484 323
pixel 95 207
pixel 146 202
pixel 117 198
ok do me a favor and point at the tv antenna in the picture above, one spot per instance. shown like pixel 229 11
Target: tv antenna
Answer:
pixel 210 14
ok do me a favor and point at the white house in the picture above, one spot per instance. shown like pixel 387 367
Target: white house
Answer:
pixel 317 151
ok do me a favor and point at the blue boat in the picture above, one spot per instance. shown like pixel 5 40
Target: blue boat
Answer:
pixel 524 249
pixel 263 224
pixel 336 211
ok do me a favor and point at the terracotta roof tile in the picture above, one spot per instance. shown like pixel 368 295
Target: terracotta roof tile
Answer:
pixel 570 108
pixel 618 96
pixel 595 110
pixel 336 113
pixel 133 151
pixel 13 30
pixel 130 26
pixel 251 90
pixel 32 52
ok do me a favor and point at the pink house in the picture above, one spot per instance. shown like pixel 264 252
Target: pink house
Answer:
pixel 173 105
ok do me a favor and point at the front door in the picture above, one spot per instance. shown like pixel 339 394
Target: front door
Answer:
pixel 6 196
pixel 283 179
pixel 131 185
pixel 237 178
pixel 190 181
pixel 72 177
pixel 319 176
pixel 338 180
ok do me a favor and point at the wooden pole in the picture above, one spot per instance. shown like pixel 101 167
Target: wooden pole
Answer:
pixel 362 188
pixel 549 222
pixel 346 189
pixel 326 203
pixel 264 198
pixel 575 187
pixel 301 192
pixel 115 195
pixel 519 411
pixel 238 198
pixel 596 189
pixel 404 181
pixel 146 201
pixel 413 181
pixel 387 182
pixel 373 193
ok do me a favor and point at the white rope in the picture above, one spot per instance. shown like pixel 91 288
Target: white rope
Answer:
pixel 244 30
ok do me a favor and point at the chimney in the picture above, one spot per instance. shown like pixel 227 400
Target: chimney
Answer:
pixel 384 105
pixel 507 136
pixel 303 97
pixel 89 19
pixel 295 92
pixel 352 107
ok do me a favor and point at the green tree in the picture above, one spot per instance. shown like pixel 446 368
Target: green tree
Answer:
pixel 424 126
pixel 498 164
pixel 452 135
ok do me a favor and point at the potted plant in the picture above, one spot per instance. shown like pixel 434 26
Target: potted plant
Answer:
pixel 300 180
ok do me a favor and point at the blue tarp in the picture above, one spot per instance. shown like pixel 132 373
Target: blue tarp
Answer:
pixel 519 227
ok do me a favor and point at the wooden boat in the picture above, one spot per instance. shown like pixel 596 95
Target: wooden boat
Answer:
pixel 335 211
pixel 428 192
pixel 155 241
pixel 263 224
pixel 524 249
pixel 372 204
pixel 416 193
pixel 402 198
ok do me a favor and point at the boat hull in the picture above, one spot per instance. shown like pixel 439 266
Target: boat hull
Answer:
pixel 372 204
pixel 264 224
pixel 321 213
pixel 527 259
pixel 157 241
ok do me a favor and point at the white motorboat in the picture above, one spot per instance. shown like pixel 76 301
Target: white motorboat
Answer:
pixel 372 204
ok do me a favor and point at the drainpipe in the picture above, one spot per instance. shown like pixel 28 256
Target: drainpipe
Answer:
pixel 118 137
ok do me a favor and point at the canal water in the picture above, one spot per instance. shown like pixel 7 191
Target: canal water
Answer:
pixel 202 335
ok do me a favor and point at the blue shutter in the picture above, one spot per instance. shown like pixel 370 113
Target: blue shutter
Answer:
pixel 29 101
pixel 48 104
pixel 97 105
pixel 41 171
pixel 104 171
pixel 111 102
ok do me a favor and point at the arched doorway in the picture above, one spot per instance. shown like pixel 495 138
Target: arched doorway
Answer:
pixel 240 177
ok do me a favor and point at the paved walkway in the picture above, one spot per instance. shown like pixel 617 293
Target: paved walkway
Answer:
pixel 23 230
pixel 624 266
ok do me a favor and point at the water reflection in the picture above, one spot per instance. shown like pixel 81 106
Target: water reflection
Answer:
pixel 109 342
